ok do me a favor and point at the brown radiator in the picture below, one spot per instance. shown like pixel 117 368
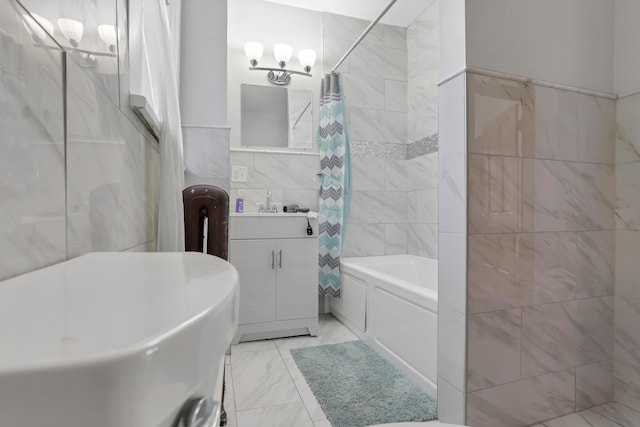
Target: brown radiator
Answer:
pixel 200 202
pixel 206 201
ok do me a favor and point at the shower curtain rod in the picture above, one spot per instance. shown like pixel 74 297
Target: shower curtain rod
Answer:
pixel 364 34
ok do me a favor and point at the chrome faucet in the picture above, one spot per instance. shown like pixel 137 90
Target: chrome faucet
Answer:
pixel 268 205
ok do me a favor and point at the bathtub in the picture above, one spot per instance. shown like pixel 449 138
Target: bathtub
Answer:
pixel 391 303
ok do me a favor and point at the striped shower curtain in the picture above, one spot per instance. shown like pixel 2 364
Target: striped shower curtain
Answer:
pixel 335 188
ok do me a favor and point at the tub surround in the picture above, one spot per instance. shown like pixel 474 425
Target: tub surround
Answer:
pixel 423 61
pixel 422 147
pixel 375 80
pixel 394 155
pixel 422 198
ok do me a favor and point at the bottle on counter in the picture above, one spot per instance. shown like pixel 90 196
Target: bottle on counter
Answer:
pixel 239 203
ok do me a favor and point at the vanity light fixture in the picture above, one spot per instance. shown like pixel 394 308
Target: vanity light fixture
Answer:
pixel 39 28
pixel 72 30
pixel 282 53
pixel 37 32
pixel 109 36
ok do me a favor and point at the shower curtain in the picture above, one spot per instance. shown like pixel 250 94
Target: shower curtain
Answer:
pixel 335 183
pixel 153 53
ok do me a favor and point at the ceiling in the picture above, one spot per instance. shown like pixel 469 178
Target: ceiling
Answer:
pixel 402 13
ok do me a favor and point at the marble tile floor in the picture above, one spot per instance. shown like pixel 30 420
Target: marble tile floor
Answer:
pixel 265 388
pixel 612 414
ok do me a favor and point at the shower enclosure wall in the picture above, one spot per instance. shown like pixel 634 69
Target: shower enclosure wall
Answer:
pixel 78 169
pixel 627 252
pixel 539 215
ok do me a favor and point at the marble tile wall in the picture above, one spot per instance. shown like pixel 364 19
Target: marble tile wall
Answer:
pixel 423 55
pixel 422 201
pixel 379 208
pixel 105 70
pixel 97 189
pixel 291 178
pixel 32 181
pixel 206 156
pixel 626 366
pixel 375 85
pixel 423 60
pixel 541 213
pixel 390 85
pixel 112 194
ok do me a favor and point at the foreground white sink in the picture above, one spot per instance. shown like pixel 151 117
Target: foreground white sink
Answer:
pixel 114 339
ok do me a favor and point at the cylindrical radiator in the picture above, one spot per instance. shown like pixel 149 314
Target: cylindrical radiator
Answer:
pixel 212 203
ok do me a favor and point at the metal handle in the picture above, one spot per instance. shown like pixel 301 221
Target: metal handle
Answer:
pixel 273 259
pixel 280 261
pixel 200 412
pixel 319 178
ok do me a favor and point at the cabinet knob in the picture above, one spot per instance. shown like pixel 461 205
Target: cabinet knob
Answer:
pixel 273 259
pixel 280 260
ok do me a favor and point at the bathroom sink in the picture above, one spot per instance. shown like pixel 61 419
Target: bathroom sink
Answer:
pixel 278 214
pixel 269 225
pixel 114 339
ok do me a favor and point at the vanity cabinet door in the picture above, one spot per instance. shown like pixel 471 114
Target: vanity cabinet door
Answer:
pixel 297 289
pixel 255 261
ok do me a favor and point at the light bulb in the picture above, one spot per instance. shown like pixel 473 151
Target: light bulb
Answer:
pixel 109 36
pixel 31 24
pixel 72 30
pixel 282 52
pixel 254 51
pixel 307 58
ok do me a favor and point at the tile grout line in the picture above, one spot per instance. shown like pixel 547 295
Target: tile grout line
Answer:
pixel 609 418
pixel 558 371
pixel 626 406
pixel 475 313
pixel 543 159
pixel 511 232
pixel 267 406
pixel 295 385
pixel 235 406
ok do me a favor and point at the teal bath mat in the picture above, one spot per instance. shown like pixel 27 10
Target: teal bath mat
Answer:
pixel 356 387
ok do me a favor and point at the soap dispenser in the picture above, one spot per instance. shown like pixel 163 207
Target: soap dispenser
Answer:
pixel 239 203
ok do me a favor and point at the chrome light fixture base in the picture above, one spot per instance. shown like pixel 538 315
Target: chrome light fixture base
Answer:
pixel 282 52
pixel 279 76
pixel 282 79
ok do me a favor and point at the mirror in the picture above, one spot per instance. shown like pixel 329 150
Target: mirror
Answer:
pixel 276 117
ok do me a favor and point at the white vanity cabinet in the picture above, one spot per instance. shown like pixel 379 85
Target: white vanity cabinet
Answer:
pixel 277 263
